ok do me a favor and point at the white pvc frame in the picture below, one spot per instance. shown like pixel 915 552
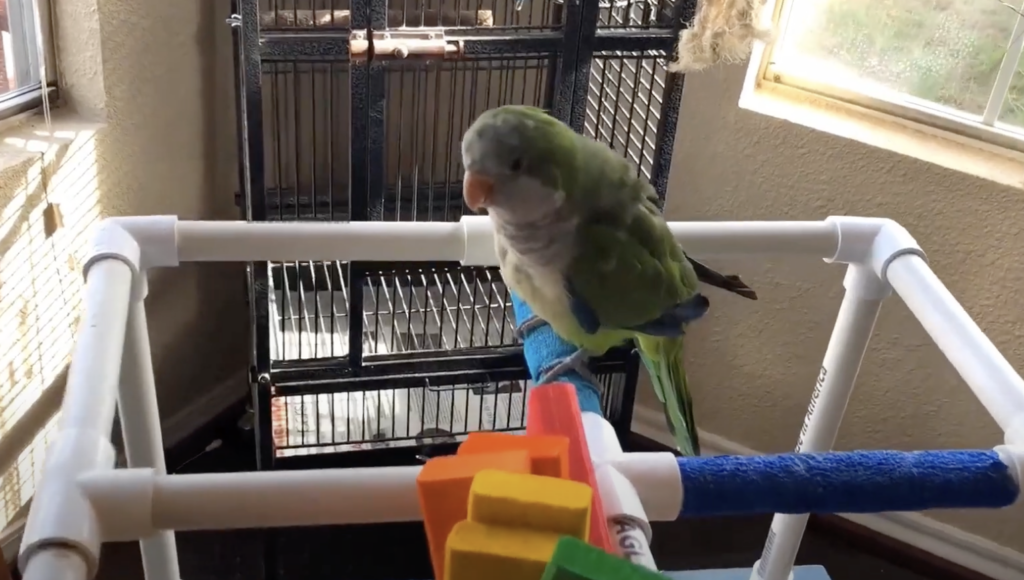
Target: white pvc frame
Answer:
pixel 82 501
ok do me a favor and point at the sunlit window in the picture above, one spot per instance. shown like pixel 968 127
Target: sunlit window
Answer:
pixel 955 64
pixel 26 55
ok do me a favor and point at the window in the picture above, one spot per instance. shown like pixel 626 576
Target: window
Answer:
pixel 26 53
pixel 950 64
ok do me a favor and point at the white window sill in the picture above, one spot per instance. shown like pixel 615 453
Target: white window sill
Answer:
pixel 904 137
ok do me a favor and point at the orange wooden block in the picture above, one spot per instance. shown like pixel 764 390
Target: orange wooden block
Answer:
pixel 549 454
pixel 554 409
pixel 443 488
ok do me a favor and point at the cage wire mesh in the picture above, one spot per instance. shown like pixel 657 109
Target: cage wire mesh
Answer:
pixel 413 416
pixel 424 307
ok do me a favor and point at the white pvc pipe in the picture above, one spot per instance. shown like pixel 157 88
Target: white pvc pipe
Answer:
pixel 91 393
pixel 818 239
pixel 996 384
pixel 850 335
pixel 266 499
pixel 469 240
pixel 59 513
pixel 143 440
pixel 56 563
pixel 228 241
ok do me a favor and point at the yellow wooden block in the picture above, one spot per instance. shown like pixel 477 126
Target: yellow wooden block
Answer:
pixel 536 502
pixel 478 551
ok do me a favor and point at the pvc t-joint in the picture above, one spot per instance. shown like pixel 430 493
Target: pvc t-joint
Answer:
pixel 872 242
pixel 61 513
pixel 653 478
pixel 123 501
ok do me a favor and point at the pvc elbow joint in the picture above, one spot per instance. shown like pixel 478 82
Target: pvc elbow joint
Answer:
pixel 112 242
pixel 872 242
pixel 156 237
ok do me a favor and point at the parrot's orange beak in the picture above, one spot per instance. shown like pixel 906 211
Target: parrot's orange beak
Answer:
pixel 476 190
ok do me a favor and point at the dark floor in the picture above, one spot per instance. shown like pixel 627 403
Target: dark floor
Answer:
pixel 398 552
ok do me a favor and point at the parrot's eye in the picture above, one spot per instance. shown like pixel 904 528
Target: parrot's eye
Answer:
pixel 516 164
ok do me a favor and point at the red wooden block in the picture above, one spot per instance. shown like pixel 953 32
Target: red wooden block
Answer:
pixel 553 409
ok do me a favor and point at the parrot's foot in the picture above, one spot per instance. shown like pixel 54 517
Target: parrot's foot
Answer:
pixel 577 362
pixel 532 322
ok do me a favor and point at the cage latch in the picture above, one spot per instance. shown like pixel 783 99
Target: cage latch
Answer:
pixel 401 44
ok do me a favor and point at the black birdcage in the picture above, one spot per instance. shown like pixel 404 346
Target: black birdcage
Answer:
pixel 354 110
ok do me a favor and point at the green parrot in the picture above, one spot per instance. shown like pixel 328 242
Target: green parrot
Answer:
pixel 580 239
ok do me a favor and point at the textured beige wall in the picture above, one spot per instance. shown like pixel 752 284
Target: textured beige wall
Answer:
pixel 754 365
pixel 147 128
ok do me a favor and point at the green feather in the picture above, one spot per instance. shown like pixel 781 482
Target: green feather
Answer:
pixel 663 358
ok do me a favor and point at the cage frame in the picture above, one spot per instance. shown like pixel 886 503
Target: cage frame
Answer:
pixel 571 46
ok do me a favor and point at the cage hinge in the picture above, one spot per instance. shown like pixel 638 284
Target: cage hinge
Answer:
pixel 429 42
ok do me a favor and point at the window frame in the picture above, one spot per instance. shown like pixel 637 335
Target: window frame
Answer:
pixel 886 103
pixel 32 37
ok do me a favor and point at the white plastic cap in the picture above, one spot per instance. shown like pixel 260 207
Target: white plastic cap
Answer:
pixel 479 241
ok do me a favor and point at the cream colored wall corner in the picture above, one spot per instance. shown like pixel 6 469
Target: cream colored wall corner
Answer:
pixel 753 364
pixel 146 127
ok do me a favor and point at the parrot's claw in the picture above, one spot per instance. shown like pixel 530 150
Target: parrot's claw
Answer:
pixel 575 362
pixel 531 323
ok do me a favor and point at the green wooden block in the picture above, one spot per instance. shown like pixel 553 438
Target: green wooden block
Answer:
pixel 577 560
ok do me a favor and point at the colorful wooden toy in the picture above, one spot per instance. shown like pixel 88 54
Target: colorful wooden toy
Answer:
pixel 535 502
pixel 553 409
pixel 549 454
pixel 443 486
pixel 577 560
pixel 483 552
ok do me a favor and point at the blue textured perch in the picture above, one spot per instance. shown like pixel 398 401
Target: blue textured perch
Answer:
pixel 541 346
pixel 851 482
pixel 845 482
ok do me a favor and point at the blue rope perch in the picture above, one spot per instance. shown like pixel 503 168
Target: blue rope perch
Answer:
pixel 541 346
pixel 800 483
pixel 845 482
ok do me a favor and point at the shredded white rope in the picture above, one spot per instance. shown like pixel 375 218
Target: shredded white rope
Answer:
pixel 722 31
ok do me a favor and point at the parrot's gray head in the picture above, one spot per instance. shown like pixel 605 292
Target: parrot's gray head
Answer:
pixel 511 169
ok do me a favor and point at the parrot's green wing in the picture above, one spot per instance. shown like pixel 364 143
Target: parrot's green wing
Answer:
pixel 628 269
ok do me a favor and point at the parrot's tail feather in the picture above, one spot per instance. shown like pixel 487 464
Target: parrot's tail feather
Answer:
pixel 663 358
pixel 728 282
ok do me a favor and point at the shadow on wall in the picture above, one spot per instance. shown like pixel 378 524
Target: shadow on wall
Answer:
pixel 48 205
